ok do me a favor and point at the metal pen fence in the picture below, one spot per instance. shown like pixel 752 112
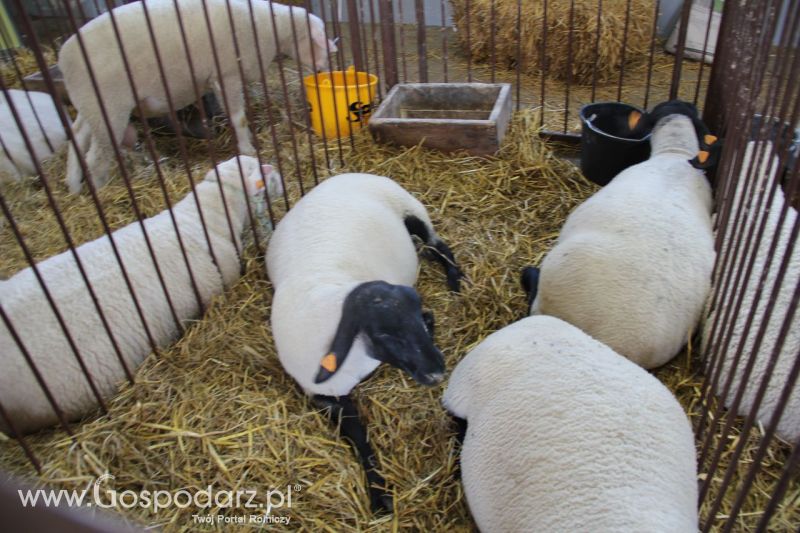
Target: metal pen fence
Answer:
pixel 750 354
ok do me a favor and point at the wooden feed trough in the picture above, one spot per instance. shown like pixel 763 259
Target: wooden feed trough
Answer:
pixel 445 116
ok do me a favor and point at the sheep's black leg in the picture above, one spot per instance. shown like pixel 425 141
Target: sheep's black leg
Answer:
pixel 461 432
pixel 438 251
pixel 344 414
pixel 530 283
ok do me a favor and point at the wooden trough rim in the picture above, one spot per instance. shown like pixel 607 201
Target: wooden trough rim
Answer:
pixel 505 90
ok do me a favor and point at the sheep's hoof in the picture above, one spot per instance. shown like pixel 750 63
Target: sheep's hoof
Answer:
pixel 381 502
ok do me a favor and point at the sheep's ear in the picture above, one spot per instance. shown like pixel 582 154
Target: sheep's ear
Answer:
pixel 332 45
pixel 633 119
pixel 342 342
pixel 709 153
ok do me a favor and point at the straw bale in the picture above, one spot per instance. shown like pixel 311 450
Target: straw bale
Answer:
pixel 583 35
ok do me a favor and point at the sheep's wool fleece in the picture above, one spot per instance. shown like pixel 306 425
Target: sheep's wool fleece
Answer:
pixel 348 230
pixel 39 117
pixel 37 325
pixel 789 425
pixel 632 265
pixel 564 434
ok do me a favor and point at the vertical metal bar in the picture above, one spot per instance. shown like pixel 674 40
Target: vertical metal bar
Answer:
pixel 713 109
pixel 444 41
pixel 571 27
pixel 363 26
pixel 377 63
pixel 543 66
pixel 323 133
pixel 422 40
pixel 355 35
pixel 623 57
pixel 389 47
pixel 21 440
pixel 340 57
pixel 467 11
pixel 598 23
pixel 679 51
pixel 703 56
pixel 651 56
pixel 492 32
pixel 402 31
pixel 518 64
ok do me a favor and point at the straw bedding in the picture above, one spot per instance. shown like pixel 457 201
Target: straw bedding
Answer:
pixel 217 409
pixel 587 48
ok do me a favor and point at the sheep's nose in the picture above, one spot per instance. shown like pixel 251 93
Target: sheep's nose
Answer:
pixel 435 377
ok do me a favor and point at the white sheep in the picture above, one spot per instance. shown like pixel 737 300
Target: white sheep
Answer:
pixel 563 434
pixel 342 263
pixel 632 264
pixel 34 321
pixel 105 58
pixel 789 425
pixel 39 118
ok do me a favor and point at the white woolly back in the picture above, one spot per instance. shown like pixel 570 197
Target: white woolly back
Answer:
pixel 565 435
pixel 632 264
pixel 675 134
pixel 745 206
pixel 347 230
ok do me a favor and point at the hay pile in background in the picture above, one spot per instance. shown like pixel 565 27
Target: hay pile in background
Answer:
pixel 217 409
pixel 587 51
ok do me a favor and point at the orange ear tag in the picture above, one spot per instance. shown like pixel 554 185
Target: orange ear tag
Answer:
pixel 633 119
pixel 710 139
pixel 329 362
pixel 260 184
pixel 702 156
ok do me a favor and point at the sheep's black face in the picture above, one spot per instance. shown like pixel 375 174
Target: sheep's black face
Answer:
pixel 395 329
pixel 399 333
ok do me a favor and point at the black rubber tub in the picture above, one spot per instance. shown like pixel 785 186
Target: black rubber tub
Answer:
pixel 607 147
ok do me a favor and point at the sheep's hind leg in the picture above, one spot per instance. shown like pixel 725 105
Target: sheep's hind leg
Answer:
pixel 102 151
pixel 234 91
pixel 461 433
pixel 530 284
pixel 82 133
pixel 438 251
pixel 344 414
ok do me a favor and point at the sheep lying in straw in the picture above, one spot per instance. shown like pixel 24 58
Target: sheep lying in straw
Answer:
pixel 632 265
pixel 39 118
pixel 563 434
pixel 214 264
pixel 587 52
pixel 184 79
pixel 742 338
pixel 343 265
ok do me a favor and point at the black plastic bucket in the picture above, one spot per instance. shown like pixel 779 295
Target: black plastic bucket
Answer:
pixel 606 146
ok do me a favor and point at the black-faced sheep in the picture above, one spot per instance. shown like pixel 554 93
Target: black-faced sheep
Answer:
pixel 343 265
